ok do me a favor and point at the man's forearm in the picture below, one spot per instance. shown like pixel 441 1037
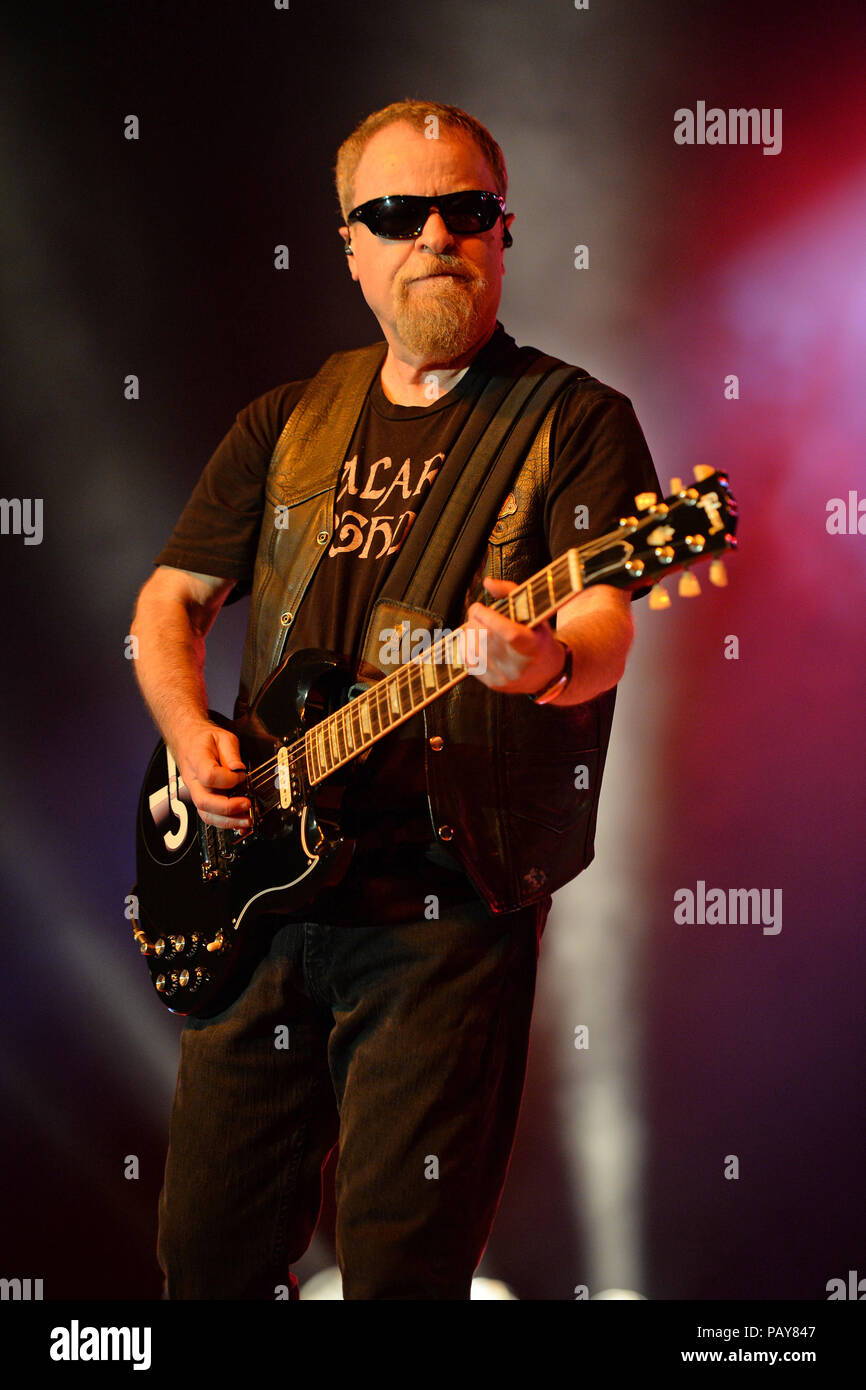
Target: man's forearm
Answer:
pixel 170 667
pixel 599 642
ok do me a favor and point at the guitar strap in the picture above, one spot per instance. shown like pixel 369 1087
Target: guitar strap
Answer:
pixel 435 562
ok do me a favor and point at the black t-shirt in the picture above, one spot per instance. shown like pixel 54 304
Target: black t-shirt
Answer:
pixel 599 460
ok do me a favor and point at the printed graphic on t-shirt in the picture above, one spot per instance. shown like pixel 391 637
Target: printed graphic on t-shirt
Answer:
pixel 371 515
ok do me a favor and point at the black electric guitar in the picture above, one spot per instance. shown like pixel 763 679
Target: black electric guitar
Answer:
pixel 200 904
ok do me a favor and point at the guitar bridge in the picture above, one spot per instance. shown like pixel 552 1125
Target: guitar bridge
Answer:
pixel 214 859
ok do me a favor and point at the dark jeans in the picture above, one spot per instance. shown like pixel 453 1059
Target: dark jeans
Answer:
pixel 407 1045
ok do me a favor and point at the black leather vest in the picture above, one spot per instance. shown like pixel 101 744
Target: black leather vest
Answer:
pixel 512 786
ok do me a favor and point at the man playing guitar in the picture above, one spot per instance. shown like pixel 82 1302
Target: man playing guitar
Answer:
pixel 391 1013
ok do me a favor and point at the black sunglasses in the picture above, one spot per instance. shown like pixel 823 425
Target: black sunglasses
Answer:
pixel 401 216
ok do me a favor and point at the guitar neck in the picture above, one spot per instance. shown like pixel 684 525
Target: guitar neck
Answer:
pixel 694 524
pixel 349 731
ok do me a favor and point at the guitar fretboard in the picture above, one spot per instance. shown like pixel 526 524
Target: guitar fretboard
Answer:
pixel 347 732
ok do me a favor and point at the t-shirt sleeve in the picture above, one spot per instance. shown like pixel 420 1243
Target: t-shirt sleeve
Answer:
pixel 599 462
pixel 218 530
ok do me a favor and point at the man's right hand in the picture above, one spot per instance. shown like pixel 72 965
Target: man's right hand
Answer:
pixel 210 762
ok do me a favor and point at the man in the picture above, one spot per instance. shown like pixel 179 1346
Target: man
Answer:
pixel 407 989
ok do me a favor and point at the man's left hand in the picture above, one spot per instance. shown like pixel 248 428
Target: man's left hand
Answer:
pixel 519 659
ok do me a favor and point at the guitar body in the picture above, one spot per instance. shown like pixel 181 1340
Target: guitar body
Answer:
pixel 204 895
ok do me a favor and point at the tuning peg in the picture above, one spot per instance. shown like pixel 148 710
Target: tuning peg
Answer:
pixel 659 597
pixel 718 573
pixel 688 585
pixel 676 485
pixel 644 500
pixel 702 471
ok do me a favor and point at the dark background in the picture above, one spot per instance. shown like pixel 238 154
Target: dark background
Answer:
pixel 155 257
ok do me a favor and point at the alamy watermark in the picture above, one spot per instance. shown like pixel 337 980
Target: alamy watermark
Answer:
pixel 77 1343
pixel 22 516
pixel 846 516
pixel 736 906
pixel 854 1288
pixel 461 647
pixel 21 1290
pixel 735 126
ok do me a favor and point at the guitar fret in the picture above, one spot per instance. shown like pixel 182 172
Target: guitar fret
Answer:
pixel 559 581
pixel 415 686
pixel 428 672
pixel 450 668
pixel 452 647
pixel 341 736
pixel 357 731
pixel 382 711
pixel 441 664
pixel 348 727
pixel 520 605
pixel 394 696
pixel 407 690
pixel 364 713
pixel 548 578
pixel 563 580
pixel 320 749
pixel 374 710
pixel 459 650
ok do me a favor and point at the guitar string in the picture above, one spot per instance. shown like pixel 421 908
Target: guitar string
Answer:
pixel 295 754
pixel 401 683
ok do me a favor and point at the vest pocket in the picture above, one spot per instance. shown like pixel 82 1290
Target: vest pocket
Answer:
pixel 553 790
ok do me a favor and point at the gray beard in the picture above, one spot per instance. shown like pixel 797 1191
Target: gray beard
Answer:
pixel 441 322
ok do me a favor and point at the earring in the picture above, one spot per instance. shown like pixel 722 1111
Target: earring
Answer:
pixel 348 250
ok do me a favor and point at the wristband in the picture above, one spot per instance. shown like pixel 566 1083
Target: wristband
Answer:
pixel 558 684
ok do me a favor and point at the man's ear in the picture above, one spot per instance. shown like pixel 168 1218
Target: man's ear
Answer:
pixel 507 221
pixel 344 233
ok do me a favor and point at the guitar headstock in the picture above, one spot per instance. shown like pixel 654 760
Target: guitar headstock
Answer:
pixel 694 524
